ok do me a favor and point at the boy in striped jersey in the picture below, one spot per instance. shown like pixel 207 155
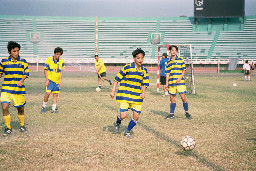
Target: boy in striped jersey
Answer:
pixel 16 71
pixel 134 80
pixel 175 81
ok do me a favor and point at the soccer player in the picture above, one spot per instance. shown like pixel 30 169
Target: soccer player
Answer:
pixel 163 64
pixel 100 70
pixel 53 68
pixel 246 68
pixel 16 71
pixel 134 80
pixel 252 68
pixel 175 81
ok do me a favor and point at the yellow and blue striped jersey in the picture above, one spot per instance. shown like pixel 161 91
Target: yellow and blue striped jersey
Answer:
pixel 131 79
pixel 13 73
pixel 54 68
pixel 100 63
pixel 175 68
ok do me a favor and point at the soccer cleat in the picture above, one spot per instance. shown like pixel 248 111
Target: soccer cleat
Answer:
pixel 188 116
pixel 110 82
pixel 171 116
pixel 23 129
pixel 55 111
pixel 7 132
pixel 43 110
pixel 117 126
pixel 127 134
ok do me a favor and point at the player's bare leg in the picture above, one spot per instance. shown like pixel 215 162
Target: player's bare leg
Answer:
pixel 105 78
pixel 54 101
pixel 99 82
pixel 46 97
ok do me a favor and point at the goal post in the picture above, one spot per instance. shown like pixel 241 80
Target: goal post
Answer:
pixel 185 51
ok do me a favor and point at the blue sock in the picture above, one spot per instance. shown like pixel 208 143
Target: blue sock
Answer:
pixel 118 120
pixel 99 86
pixel 172 107
pixel 131 125
pixel 185 105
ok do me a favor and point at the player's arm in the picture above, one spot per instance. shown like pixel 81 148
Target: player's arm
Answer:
pixel 1 75
pixel 46 77
pixel 60 78
pixel 167 81
pixel 22 80
pixel 182 75
pixel 143 88
pixel 112 94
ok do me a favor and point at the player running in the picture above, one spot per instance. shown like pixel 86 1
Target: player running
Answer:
pixel 100 70
pixel 175 81
pixel 53 68
pixel 134 80
pixel 15 71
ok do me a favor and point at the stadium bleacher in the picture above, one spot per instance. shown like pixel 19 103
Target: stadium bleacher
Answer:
pixel 118 37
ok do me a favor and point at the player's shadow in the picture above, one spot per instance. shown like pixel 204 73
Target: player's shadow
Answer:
pixel 14 124
pixel 254 141
pixel 181 151
pixel 158 112
pixel 162 113
pixel 111 129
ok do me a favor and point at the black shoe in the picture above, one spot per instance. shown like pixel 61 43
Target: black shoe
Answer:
pixel 23 129
pixel 117 126
pixel 171 116
pixel 188 116
pixel 7 132
pixel 110 82
pixel 127 134
pixel 43 110
pixel 55 111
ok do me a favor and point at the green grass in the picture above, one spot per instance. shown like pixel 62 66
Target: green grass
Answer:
pixel 81 137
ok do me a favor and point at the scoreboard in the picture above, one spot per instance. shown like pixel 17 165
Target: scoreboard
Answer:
pixel 219 8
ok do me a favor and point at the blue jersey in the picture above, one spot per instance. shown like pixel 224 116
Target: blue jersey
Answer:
pixel 163 64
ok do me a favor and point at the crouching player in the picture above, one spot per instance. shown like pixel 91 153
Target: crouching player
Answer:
pixel 134 80
pixel 16 71
pixel 53 68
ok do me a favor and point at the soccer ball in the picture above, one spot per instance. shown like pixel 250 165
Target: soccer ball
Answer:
pixel 98 89
pixel 234 84
pixel 188 143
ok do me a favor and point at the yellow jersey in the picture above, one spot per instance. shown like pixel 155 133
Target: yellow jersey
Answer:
pixel 54 68
pixel 101 64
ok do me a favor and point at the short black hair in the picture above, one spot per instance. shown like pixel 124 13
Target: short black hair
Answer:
pixel 96 56
pixel 246 61
pixel 11 45
pixel 176 47
pixel 58 49
pixel 138 51
pixel 165 54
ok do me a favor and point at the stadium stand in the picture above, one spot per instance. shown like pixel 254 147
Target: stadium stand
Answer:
pixel 118 37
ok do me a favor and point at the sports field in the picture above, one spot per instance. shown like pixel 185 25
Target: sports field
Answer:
pixel 81 136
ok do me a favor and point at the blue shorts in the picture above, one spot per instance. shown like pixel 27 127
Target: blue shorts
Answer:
pixel 53 87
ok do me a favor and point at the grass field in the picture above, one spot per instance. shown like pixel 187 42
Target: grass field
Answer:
pixel 82 137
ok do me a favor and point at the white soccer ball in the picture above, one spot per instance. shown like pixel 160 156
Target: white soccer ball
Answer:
pixel 98 89
pixel 188 143
pixel 234 84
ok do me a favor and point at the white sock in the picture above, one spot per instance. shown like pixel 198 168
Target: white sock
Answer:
pixel 249 78
pixel 44 104
pixel 53 106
